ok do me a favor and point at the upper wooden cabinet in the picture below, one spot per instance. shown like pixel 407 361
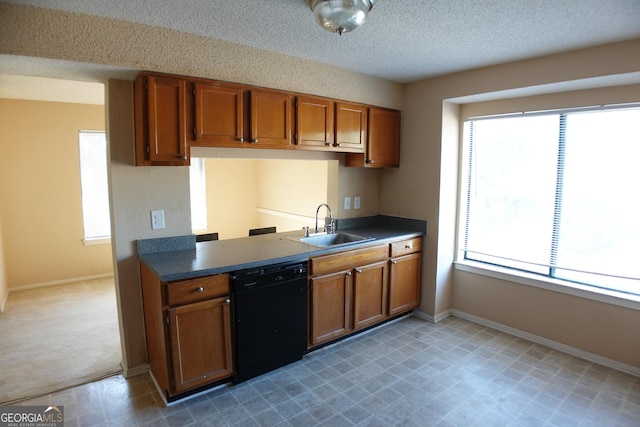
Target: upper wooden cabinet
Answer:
pixel 314 122
pixel 270 119
pixel 228 115
pixel 219 114
pixel 172 113
pixel 383 144
pixel 351 127
pixel 161 121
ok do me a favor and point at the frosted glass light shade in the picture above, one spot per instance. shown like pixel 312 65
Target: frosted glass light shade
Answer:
pixel 340 16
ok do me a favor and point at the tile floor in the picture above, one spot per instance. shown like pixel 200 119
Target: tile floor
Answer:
pixel 408 373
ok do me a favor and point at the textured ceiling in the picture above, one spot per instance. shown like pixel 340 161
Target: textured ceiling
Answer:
pixel 402 40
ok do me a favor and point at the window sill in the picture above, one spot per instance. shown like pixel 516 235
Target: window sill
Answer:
pixel 575 289
pixel 97 241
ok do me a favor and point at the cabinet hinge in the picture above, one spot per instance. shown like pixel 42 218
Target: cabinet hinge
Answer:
pixel 194 91
pixel 146 86
pixel 173 383
pixel 148 149
pixel 194 131
pixel 167 320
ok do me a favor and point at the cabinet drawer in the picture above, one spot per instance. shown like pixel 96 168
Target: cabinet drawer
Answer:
pixel 202 288
pixel 346 260
pixel 404 247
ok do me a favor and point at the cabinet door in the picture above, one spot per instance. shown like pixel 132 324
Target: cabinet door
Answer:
pixel 383 148
pixel 351 126
pixel 369 294
pixel 218 114
pixel 314 122
pixel 330 297
pixel 270 119
pixel 404 283
pixel 200 336
pixel 167 142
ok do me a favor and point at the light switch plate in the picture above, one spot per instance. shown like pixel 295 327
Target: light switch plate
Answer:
pixel 347 203
pixel 356 202
pixel 157 219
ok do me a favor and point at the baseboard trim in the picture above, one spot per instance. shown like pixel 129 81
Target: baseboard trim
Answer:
pixel 433 319
pixel 574 351
pixel 60 282
pixel 3 301
pixel 137 370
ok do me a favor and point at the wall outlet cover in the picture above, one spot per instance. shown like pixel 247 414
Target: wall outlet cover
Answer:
pixel 157 219
pixel 356 202
pixel 347 203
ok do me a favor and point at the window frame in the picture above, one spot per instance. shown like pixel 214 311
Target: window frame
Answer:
pixel 523 277
pixel 97 239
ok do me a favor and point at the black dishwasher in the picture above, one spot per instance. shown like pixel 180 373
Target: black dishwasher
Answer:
pixel 270 310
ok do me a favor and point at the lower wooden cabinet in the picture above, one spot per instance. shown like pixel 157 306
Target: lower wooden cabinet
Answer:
pixel 405 275
pixel 342 287
pixel 356 289
pixel 404 283
pixel 330 307
pixel 370 294
pixel 188 329
pixel 200 336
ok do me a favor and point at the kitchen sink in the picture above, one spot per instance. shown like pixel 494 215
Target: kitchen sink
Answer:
pixel 333 239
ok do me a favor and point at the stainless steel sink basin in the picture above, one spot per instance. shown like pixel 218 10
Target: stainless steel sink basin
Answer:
pixel 333 239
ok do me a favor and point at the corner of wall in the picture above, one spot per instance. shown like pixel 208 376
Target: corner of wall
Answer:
pixel 4 288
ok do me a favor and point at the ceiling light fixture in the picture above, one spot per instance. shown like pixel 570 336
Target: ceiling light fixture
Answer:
pixel 341 16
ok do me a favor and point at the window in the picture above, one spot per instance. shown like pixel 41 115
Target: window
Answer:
pixel 198 189
pixel 555 194
pixel 95 187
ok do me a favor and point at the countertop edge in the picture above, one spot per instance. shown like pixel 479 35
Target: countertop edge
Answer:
pixel 201 261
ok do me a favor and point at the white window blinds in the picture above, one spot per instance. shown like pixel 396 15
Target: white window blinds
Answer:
pixel 555 194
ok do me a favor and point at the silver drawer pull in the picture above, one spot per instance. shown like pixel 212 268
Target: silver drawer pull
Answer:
pixel 407 246
pixel 200 289
pixel 358 270
pixel 393 261
pixel 227 301
pixel 348 273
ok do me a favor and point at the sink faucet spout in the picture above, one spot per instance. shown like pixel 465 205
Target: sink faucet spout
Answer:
pixel 327 228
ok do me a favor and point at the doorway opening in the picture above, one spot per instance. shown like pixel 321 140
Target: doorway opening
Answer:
pixel 59 326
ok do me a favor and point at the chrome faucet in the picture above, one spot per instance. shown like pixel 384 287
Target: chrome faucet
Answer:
pixel 330 227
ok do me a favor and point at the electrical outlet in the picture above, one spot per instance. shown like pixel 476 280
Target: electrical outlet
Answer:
pixel 356 202
pixel 157 219
pixel 347 203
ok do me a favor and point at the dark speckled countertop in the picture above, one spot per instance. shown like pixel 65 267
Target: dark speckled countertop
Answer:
pixel 179 258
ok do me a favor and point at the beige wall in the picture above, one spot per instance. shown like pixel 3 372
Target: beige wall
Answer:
pixel 591 326
pixel 42 33
pixel 253 193
pixel 428 175
pixel 41 205
pixel 292 187
pixel 232 196
pixel 4 289
pixel 416 190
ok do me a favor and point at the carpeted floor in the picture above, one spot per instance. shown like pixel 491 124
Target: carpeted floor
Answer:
pixel 55 337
